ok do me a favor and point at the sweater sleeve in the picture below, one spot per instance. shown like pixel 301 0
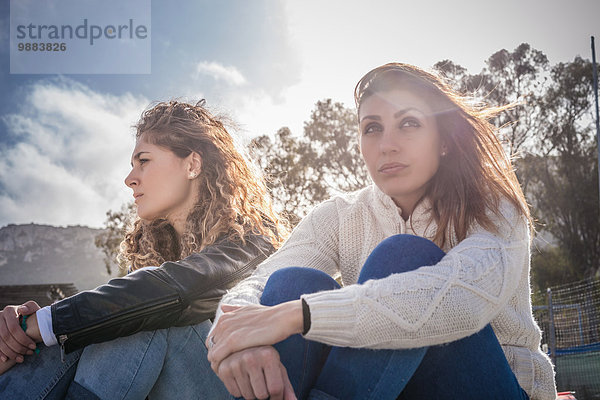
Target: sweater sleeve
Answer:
pixel 434 304
pixel 313 244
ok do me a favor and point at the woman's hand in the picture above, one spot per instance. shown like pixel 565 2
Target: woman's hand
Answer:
pixel 14 343
pixel 6 365
pixel 256 373
pixel 244 327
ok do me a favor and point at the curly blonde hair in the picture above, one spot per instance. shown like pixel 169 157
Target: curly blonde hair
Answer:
pixel 476 172
pixel 233 200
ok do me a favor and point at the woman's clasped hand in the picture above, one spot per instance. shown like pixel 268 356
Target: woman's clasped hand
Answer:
pixel 244 359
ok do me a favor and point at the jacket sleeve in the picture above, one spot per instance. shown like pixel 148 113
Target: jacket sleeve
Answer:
pixel 179 293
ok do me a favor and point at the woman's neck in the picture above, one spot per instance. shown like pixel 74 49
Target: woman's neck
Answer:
pixel 178 218
pixel 405 214
pixel 178 224
pixel 406 207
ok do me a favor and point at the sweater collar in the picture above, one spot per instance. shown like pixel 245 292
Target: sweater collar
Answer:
pixel 420 221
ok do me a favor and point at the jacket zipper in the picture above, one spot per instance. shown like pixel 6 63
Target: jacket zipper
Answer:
pixel 257 260
pixel 62 339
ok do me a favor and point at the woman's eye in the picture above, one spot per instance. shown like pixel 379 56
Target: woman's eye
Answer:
pixel 371 128
pixel 143 160
pixel 410 123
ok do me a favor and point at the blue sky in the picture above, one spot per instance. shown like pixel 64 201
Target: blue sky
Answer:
pixel 65 140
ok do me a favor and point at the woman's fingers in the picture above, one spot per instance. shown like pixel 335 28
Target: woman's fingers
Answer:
pixel 255 373
pixel 253 326
pixel 14 343
pixel 228 307
pixel 28 308
pixel 255 363
pixel 6 354
pixel 231 385
pixel 244 382
pixel 229 371
pixel 274 380
pixel 6 365
pixel 21 341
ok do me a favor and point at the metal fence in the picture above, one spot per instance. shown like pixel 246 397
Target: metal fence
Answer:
pixel 569 316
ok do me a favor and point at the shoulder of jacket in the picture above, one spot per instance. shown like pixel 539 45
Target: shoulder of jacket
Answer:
pixel 253 243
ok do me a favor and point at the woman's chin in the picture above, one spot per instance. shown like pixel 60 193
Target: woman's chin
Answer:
pixel 147 216
pixel 390 190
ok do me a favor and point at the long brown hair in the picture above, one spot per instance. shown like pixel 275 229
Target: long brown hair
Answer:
pixel 233 198
pixel 476 173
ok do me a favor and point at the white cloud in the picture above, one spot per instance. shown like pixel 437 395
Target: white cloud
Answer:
pixel 257 113
pixel 72 155
pixel 219 72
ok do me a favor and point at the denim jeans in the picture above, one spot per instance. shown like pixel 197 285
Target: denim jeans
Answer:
pixel 40 376
pixel 471 368
pixel 161 364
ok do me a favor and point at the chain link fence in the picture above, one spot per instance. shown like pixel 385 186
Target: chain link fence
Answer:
pixel 569 316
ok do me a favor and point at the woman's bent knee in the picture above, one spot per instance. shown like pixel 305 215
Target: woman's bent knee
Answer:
pixel 400 253
pixel 290 283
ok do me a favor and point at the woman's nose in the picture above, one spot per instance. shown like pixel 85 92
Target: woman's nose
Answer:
pixel 131 179
pixel 387 142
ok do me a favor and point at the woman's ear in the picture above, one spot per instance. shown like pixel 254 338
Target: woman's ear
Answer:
pixel 194 165
pixel 443 150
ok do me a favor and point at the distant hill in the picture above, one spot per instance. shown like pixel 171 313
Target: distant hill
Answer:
pixel 37 254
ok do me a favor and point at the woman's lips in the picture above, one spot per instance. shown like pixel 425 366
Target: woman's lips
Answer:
pixel 392 168
pixel 136 197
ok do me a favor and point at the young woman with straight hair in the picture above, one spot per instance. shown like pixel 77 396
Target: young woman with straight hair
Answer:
pixel 433 258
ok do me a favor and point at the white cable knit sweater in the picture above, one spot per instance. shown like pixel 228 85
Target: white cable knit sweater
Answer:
pixel 483 279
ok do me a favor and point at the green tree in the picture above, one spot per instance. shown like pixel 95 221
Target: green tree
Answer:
pixel 112 235
pixel 457 76
pixel 518 77
pixel 565 170
pixel 550 267
pixel 304 171
pixel 288 165
pixel 332 132
pixel 552 129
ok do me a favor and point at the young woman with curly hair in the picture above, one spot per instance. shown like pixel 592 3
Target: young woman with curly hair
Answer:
pixel 204 222
pixel 433 258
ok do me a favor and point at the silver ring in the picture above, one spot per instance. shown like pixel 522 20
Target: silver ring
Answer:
pixel 210 343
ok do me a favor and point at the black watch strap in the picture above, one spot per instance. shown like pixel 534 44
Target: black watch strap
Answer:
pixel 306 316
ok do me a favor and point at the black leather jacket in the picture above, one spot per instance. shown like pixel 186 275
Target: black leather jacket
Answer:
pixel 179 293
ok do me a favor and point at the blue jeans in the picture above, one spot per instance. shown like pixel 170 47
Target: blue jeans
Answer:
pixel 471 368
pixel 161 364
